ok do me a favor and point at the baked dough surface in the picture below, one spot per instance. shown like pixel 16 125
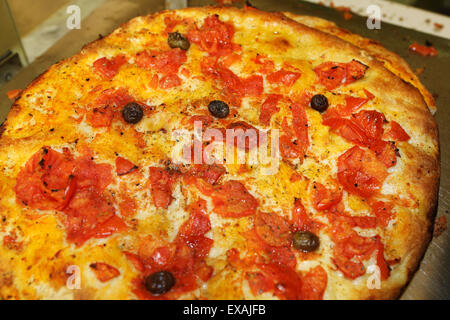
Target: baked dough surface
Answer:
pixel 58 112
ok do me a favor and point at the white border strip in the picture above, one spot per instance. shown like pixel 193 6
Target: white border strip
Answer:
pixel 398 14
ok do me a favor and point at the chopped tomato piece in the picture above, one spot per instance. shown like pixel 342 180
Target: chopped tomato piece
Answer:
pixel 348 129
pixel 214 36
pixel 109 68
pixel 300 126
pixel 243 135
pixel 381 261
pixel 334 74
pixel 273 229
pixel 383 212
pixel 198 223
pixel 325 198
pixel 114 98
pixel 124 166
pixel 350 269
pixel 268 108
pixel 360 172
pixel 41 184
pixel 166 62
pixel 284 77
pixel 371 122
pixel 386 152
pixel 209 173
pixel 423 50
pixel 300 219
pixel 266 64
pixel 287 282
pixel 396 132
pixel 232 200
pixel 101 117
pixel 14 94
pixel 258 283
pixel 289 148
pixel 103 271
pixel 162 181
pixel 314 283
pixel 352 104
pixel 253 85
pixel 169 81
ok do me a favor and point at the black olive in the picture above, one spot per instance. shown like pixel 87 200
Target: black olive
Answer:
pixel 132 113
pixel 305 241
pixel 218 109
pixel 177 40
pixel 319 102
pixel 159 282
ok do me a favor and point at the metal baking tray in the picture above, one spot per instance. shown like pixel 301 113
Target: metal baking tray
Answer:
pixel 432 280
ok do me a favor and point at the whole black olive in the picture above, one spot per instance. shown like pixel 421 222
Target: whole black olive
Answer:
pixel 319 102
pixel 132 112
pixel 305 241
pixel 218 109
pixel 159 282
pixel 177 40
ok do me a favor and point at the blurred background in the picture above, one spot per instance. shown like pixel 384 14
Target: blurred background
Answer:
pixel 29 28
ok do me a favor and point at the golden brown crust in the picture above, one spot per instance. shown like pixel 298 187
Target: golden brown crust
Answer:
pixel 416 175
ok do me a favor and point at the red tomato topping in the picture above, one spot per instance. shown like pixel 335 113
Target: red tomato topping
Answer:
pixel 350 248
pixel 334 74
pixel 268 108
pixel 210 173
pixel 325 198
pixel 114 98
pixel 244 136
pixel 124 166
pixel 169 81
pixel 300 219
pixel 396 132
pixel 386 152
pixel 162 181
pixel 100 117
pixel 184 257
pixel 214 36
pixel 233 86
pixel 352 104
pixel 198 223
pixel 360 172
pixel 10 242
pixel 284 77
pixel 300 126
pixel 383 212
pixel 253 85
pixel 371 122
pixel 423 50
pixel 55 181
pixel 314 283
pixel 287 282
pixel 273 229
pixel 167 62
pixel 258 283
pixel 266 64
pixel 232 200
pixel 381 261
pixel 109 68
pixel 41 184
pixel 104 272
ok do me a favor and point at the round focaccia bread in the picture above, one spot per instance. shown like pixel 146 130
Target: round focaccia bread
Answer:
pixel 105 195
